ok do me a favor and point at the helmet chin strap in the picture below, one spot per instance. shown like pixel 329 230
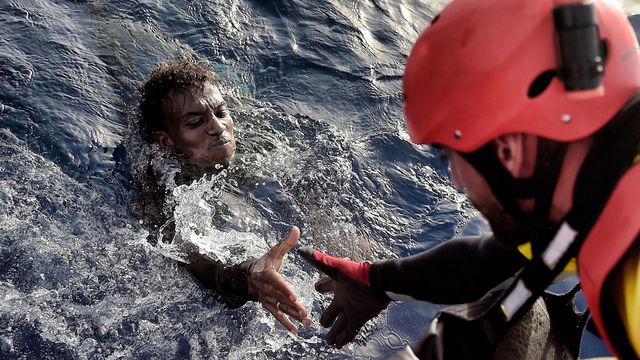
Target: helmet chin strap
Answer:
pixel 540 187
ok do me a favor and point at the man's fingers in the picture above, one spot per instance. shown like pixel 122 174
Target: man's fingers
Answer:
pixel 330 314
pixel 336 329
pixel 281 317
pixel 271 281
pixel 281 300
pixel 345 337
pixel 297 312
pixel 273 257
pixel 276 307
pixel 268 300
pixel 268 291
pixel 286 244
pixel 325 285
pixel 306 321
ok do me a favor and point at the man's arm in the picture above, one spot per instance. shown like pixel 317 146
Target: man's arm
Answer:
pixel 255 279
pixel 230 282
pixel 458 271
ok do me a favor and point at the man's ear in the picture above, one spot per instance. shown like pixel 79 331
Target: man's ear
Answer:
pixel 164 140
pixel 517 153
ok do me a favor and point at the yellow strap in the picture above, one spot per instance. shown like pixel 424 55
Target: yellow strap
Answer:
pixel 637 159
pixel 629 301
pixel 525 249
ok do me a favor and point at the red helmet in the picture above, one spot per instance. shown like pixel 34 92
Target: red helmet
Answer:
pixel 468 77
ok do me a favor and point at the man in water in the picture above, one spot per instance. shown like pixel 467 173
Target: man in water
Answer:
pixel 182 110
pixel 536 105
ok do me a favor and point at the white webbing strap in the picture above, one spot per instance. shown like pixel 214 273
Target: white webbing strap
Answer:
pixel 551 256
pixel 516 298
pixel 559 245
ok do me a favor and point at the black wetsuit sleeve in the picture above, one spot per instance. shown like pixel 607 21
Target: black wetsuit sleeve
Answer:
pixel 455 272
pixel 229 282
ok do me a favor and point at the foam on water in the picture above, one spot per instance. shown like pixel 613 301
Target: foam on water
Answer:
pixel 94 288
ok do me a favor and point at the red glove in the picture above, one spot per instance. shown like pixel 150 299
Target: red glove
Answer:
pixel 358 271
pixel 354 302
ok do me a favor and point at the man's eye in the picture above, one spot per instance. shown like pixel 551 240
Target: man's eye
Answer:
pixel 195 122
pixel 222 111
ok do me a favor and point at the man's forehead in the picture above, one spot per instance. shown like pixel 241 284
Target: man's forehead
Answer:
pixel 195 94
pixel 207 91
pixel 177 99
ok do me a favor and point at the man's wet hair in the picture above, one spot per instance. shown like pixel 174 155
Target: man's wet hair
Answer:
pixel 181 74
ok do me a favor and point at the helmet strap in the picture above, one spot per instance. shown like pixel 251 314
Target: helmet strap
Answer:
pixel 540 186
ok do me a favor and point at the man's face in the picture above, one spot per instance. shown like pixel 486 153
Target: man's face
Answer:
pixel 199 125
pixel 465 177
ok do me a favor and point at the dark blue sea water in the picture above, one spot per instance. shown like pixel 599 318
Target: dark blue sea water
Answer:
pixel 315 90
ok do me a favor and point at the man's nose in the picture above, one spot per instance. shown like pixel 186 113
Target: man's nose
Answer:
pixel 215 126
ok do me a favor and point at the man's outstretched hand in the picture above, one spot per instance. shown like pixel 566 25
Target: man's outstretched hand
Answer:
pixel 354 302
pixel 272 291
pixel 352 306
